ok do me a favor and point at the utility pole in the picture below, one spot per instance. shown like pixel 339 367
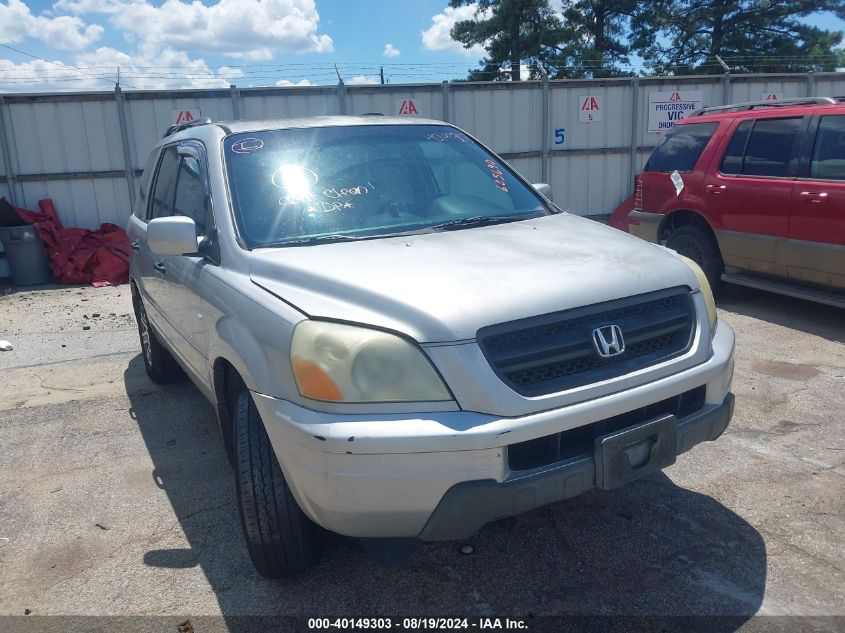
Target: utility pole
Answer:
pixel 381 72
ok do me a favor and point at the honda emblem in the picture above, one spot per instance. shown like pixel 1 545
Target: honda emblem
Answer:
pixel 608 341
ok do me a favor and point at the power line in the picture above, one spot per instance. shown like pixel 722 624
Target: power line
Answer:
pixel 58 64
pixel 257 74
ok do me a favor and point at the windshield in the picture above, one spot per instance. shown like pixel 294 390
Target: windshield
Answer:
pixel 302 186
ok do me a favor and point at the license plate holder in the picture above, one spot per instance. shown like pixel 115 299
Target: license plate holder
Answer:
pixel 626 455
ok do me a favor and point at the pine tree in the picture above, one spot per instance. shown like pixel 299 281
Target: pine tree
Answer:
pixel 685 36
pixel 594 40
pixel 511 31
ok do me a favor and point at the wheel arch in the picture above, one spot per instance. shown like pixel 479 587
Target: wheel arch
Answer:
pixel 227 385
pixel 685 217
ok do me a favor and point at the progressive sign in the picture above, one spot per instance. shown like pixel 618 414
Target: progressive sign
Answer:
pixel 667 108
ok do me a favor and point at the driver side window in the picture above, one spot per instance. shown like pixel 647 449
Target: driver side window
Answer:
pixel 191 198
pixel 180 189
pixel 165 185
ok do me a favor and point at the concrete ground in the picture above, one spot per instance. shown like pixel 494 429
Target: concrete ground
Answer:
pixel 116 497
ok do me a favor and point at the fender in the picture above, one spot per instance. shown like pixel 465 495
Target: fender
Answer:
pixel 258 350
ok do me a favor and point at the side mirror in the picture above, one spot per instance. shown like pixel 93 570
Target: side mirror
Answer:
pixel 544 189
pixel 173 235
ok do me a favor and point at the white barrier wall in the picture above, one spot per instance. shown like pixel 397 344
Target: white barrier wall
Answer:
pixel 587 138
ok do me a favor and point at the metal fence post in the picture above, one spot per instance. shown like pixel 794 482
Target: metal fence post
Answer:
pixel 545 167
pixel 120 100
pixel 5 147
pixel 236 98
pixel 811 83
pixel 726 89
pixel 635 120
pixel 341 96
pixel 444 91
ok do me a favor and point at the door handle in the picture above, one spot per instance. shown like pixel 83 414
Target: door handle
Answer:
pixel 160 267
pixel 716 189
pixel 136 245
pixel 814 196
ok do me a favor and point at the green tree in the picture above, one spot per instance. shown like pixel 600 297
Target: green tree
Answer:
pixel 593 40
pixel 511 31
pixel 685 36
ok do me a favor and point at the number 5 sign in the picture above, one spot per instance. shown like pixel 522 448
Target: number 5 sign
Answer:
pixel 589 109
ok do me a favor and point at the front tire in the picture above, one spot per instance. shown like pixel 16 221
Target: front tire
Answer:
pixel 692 242
pixel 161 367
pixel 281 540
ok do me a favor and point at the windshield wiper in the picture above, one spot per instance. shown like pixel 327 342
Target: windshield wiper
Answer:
pixel 314 239
pixel 478 220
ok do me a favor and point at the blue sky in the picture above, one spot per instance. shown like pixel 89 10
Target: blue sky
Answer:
pixel 177 43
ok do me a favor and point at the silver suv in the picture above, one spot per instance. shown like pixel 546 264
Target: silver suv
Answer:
pixel 403 338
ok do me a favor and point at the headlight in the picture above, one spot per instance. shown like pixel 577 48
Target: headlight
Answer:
pixel 706 291
pixel 344 363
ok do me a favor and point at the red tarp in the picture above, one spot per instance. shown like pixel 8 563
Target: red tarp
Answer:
pixel 80 256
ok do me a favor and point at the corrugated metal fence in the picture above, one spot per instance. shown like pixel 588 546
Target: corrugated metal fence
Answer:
pixel 85 150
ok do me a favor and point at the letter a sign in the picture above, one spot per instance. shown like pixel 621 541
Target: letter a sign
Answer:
pixel 180 117
pixel 589 109
pixel 407 107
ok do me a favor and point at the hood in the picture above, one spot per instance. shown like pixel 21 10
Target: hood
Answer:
pixel 443 287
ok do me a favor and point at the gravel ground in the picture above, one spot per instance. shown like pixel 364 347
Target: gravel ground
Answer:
pixel 116 497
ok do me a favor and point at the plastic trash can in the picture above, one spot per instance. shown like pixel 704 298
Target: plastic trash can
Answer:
pixel 26 255
pixel 5 271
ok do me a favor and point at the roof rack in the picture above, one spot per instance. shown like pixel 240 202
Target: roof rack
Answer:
pixel 750 105
pixel 183 126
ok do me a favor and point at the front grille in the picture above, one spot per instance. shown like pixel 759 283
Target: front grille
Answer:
pixel 555 352
pixel 580 441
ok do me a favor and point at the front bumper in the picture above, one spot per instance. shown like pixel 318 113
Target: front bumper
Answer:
pixel 466 507
pixel 442 475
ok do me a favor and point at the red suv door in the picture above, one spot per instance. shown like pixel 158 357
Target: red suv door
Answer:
pixel 817 223
pixel 748 192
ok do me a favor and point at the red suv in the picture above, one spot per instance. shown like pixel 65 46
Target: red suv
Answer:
pixel 755 193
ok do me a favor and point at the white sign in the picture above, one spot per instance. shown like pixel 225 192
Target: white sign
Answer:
pixel 678 181
pixel 407 107
pixel 667 108
pixel 589 109
pixel 771 96
pixel 179 117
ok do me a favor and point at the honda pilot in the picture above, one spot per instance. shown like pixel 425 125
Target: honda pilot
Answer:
pixel 402 338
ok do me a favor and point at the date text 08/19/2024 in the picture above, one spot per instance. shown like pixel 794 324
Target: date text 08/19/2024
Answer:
pixel 417 624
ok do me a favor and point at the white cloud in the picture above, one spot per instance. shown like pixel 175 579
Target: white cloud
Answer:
pixel 97 69
pixel 287 82
pixel 17 22
pixel 359 80
pixel 248 29
pixel 40 75
pixel 437 37
pixel 390 50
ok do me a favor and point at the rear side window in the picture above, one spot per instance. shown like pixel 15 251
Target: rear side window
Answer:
pixel 771 147
pixel 681 148
pixel 732 161
pixel 828 162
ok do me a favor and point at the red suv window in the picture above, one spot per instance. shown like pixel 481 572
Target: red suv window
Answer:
pixel 732 161
pixel 771 148
pixel 828 161
pixel 681 148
